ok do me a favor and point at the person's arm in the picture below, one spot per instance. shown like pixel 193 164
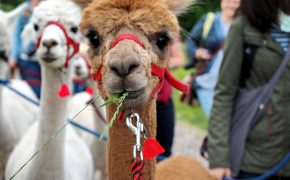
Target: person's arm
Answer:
pixel 193 41
pixel 16 41
pixel 228 83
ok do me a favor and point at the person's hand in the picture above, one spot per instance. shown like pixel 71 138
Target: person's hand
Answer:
pixel 219 173
pixel 12 66
pixel 202 53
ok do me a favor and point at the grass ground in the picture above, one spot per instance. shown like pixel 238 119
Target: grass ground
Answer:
pixel 191 115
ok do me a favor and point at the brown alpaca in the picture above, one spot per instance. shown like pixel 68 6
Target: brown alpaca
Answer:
pixel 127 65
pixel 181 167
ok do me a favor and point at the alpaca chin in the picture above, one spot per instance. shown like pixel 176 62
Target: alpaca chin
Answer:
pixel 136 103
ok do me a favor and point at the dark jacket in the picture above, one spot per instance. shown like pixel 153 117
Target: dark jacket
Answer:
pixel 269 141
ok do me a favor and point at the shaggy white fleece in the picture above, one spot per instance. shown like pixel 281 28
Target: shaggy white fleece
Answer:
pixel 66 13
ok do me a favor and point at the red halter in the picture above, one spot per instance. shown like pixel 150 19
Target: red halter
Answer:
pixel 155 70
pixel 69 42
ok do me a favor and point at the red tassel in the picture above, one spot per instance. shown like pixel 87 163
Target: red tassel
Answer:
pixel 90 91
pixel 152 148
pixel 63 91
pixel 120 117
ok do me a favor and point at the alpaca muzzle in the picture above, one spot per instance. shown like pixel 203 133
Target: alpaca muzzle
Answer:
pixel 69 42
pixel 162 73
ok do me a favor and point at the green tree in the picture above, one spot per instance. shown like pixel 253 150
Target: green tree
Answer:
pixel 188 19
pixel 8 5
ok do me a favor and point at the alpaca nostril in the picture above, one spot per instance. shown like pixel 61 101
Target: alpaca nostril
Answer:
pixel 114 69
pixel 132 67
pixel 49 43
pixel 78 68
pixel 123 71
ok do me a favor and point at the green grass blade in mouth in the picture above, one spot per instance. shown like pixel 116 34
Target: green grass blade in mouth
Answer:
pixel 110 100
pixel 119 101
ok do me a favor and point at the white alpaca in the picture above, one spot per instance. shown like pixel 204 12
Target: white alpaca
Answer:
pixel 81 68
pixel 67 156
pixel 16 113
pixel 9 19
pixel 90 118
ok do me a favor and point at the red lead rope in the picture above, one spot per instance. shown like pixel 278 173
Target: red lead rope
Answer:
pixel 155 70
pixel 137 167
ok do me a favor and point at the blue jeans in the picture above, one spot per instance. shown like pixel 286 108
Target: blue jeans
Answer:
pixel 205 98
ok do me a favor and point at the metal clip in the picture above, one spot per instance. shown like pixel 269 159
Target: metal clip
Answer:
pixel 137 130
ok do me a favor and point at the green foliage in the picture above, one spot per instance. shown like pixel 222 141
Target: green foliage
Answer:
pixel 8 5
pixel 188 19
pixel 192 115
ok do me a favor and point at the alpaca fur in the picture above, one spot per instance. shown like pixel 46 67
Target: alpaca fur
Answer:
pixel 53 11
pixel 181 167
pixel 67 157
pixel 4 37
pixel 146 20
pixel 9 20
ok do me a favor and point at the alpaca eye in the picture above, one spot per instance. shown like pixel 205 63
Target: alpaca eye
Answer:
pixel 94 38
pixel 162 41
pixel 74 29
pixel 35 27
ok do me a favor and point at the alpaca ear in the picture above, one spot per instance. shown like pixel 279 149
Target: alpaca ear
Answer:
pixel 83 3
pixel 178 6
pixel 28 35
pixel 12 15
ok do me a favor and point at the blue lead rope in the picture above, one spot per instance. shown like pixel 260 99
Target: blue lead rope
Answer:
pixel 93 132
pixel 270 173
pixel 6 84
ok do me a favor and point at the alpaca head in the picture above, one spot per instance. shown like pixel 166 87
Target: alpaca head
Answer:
pixel 126 38
pixel 53 26
pixel 81 68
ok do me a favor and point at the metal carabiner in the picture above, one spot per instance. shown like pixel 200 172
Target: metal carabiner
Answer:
pixel 130 124
pixel 137 131
pixel 135 149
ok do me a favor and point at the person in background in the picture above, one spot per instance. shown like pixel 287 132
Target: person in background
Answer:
pixel 204 49
pixel 165 105
pixel 24 57
pixel 254 49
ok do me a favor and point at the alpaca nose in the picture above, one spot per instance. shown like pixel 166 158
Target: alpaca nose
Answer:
pixel 78 67
pixel 49 43
pixel 124 67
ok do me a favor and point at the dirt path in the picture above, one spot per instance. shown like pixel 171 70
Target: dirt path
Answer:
pixel 187 141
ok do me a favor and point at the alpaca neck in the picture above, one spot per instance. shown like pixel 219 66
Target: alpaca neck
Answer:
pixel 2 77
pixel 121 141
pixel 4 131
pixel 6 140
pixel 49 164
